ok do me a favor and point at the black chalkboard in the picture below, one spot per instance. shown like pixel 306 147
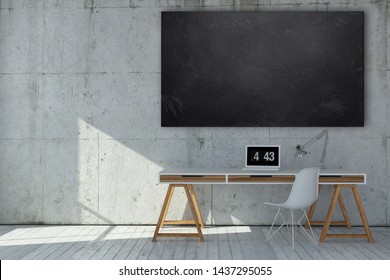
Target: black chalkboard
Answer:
pixel 249 69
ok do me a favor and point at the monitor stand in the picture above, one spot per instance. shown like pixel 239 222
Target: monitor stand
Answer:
pixel 261 169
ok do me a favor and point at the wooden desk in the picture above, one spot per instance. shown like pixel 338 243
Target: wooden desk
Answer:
pixel 186 177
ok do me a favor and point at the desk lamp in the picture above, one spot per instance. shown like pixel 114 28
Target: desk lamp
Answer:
pixel 301 152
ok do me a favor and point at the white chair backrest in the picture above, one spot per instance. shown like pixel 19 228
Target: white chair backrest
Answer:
pixel 304 190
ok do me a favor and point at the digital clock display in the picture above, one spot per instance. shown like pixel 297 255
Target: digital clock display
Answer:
pixel 262 156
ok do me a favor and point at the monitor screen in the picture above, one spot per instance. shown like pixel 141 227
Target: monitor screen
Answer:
pixel 262 156
pixel 270 69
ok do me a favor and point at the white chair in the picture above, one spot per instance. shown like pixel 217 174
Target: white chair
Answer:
pixel 304 193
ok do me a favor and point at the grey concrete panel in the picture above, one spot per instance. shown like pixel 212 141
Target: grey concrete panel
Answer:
pixel 178 3
pixel 388 35
pixel 387 90
pixel 67 102
pixel 120 3
pixel 21 4
pixel 225 133
pixel 20 182
pixel 60 4
pixel 198 152
pixel 128 191
pixel 67 40
pixel 375 95
pixel 210 132
pixel 70 182
pixel 387 185
pixel 128 180
pixel 21 40
pixel 125 3
pixel 20 106
pixel 125 106
pixel 244 204
pixel 122 42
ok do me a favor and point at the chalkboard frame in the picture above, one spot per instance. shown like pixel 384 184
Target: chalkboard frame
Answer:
pixel 333 97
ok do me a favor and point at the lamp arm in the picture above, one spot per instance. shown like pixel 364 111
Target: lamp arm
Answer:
pixel 315 139
pixel 324 150
pixel 301 149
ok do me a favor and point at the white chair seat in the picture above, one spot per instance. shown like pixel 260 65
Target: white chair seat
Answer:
pixel 304 193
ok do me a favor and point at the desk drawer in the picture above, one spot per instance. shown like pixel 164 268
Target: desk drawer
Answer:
pixel 342 179
pixel 193 178
pixel 261 178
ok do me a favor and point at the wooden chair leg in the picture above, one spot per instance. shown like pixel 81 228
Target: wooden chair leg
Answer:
pixel 328 219
pixel 164 211
pixel 196 205
pixel 362 214
pixel 191 203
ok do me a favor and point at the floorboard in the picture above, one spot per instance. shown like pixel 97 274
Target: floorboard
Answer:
pixel 20 242
pixel 234 243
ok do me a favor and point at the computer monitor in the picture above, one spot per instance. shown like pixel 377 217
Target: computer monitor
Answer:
pixel 262 157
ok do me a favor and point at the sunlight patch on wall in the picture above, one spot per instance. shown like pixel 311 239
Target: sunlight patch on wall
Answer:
pixel 88 152
pixel 118 178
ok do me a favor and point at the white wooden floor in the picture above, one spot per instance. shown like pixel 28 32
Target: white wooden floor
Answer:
pixel 223 242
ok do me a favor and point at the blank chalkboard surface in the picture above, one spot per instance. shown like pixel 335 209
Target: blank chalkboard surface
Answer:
pixel 250 69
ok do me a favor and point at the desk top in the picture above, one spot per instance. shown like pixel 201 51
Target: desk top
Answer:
pixel 239 171
pixel 241 176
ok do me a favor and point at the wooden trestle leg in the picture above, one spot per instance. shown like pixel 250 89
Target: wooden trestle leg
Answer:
pixel 328 220
pixel 197 217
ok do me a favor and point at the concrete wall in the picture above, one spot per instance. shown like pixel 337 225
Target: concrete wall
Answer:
pixel 80 135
